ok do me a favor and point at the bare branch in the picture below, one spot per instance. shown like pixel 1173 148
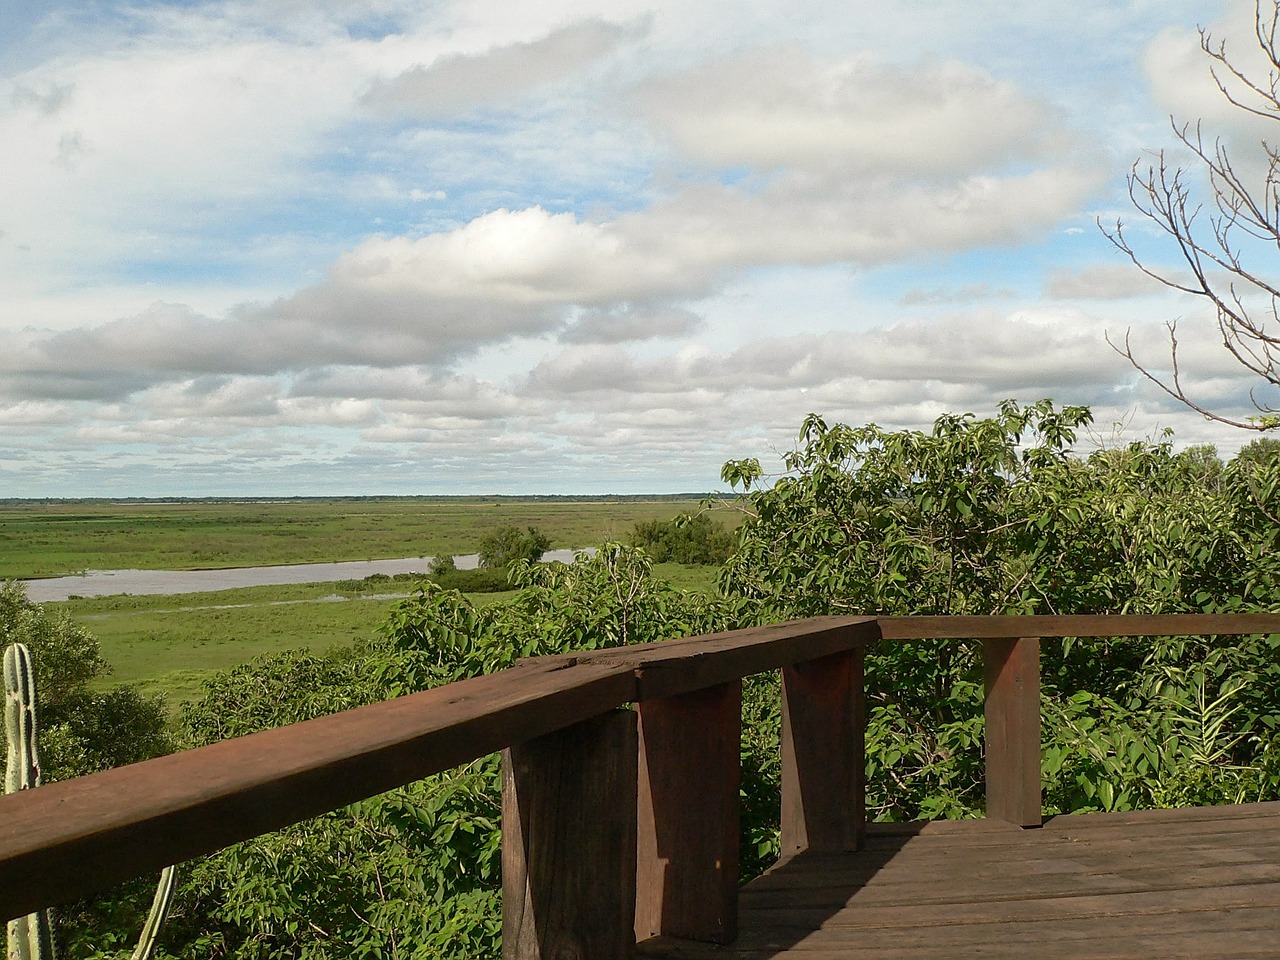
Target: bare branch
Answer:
pixel 1219 242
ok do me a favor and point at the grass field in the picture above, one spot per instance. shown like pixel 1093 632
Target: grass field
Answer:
pixel 168 644
pixel 55 538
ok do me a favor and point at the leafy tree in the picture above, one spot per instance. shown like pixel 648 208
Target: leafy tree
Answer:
pixel 443 565
pixel 1222 261
pixel 83 730
pixel 1261 450
pixel 696 539
pixel 995 515
pixel 416 871
pixel 508 544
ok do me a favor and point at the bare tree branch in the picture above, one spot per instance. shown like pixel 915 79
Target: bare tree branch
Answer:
pixel 1219 242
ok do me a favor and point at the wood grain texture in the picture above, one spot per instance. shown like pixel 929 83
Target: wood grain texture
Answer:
pixel 569 842
pixel 1011 669
pixel 687 848
pixel 1091 887
pixel 1100 625
pixel 823 754
pixel 67 840
pixel 71 839
pixel 674 667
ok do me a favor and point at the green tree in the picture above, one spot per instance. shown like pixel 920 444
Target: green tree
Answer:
pixel 509 543
pixel 416 871
pixel 996 515
pixel 84 730
pixel 696 539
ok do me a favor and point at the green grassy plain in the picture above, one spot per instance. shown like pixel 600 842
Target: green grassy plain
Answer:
pixel 56 538
pixel 169 644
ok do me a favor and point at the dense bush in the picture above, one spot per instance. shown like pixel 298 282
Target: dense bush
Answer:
pixel 508 544
pixel 414 872
pixel 995 515
pixel 696 539
pixel 82 731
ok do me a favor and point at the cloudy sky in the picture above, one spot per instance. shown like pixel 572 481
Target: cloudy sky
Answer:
pixel 471 246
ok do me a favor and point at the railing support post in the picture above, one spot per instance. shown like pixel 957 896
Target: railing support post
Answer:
pixel 687 858
pixel 569 842
pixel 823 749
pixel 1012 709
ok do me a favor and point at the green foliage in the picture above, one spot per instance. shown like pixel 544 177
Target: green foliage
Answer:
pixel 413 872
pixel 695 539
pixel 88 732
pixel 995 515
pixel 976 516
pixel 509 544
pixel 82 731
pixel 481 580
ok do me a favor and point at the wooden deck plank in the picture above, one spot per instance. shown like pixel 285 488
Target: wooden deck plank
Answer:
pixel 1156 884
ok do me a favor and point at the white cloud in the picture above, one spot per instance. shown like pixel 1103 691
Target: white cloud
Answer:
pixel 785 108
pixel 485 244
pixel 458 82
pixel 1103 281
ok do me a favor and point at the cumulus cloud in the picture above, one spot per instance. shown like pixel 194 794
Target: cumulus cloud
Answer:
pixel 1004 355
pixel 783 107
pixel 457 82
pixel 954 296
pixel 631 322
pixel 1104 281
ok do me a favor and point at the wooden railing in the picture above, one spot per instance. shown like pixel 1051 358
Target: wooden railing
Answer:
pixel 619 824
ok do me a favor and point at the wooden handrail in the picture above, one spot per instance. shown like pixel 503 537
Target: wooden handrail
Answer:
pixel 1080 625
pixel 69 839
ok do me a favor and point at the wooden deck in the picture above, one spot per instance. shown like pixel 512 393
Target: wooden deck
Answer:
pixel 1197 883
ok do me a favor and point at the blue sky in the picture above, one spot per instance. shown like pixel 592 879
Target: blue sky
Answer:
pixel 259 248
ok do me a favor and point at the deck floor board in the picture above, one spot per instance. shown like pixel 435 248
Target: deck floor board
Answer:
pixel 1200 883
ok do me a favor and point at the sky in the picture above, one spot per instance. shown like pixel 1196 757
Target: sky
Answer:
pixel 309 247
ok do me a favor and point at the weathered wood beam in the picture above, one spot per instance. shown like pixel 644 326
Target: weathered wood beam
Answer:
pixel 823 754
pixel 687 856
pixel 1012 708
pixel 569 842
pixel 67 840
pixel 672 667
pixel 1090 625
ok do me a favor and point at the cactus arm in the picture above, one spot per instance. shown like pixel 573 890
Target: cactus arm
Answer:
pixel 30 937
pixel 155 919
pixel 22 756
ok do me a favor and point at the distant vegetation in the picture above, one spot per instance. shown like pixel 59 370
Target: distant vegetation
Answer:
pixel 55 538
pixel 508 544
pixel 696 539
pixel 976 516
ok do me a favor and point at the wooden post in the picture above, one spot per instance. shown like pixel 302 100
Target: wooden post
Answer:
pixel 687 857
pixel 1012 709
pixel 823 749
pixel 569 842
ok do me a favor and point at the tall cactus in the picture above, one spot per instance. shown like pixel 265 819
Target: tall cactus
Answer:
pixel 31 937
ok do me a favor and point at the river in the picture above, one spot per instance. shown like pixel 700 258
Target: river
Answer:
pixel 101 583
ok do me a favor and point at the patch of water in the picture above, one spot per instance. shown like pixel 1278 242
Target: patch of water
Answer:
pixel 102 583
